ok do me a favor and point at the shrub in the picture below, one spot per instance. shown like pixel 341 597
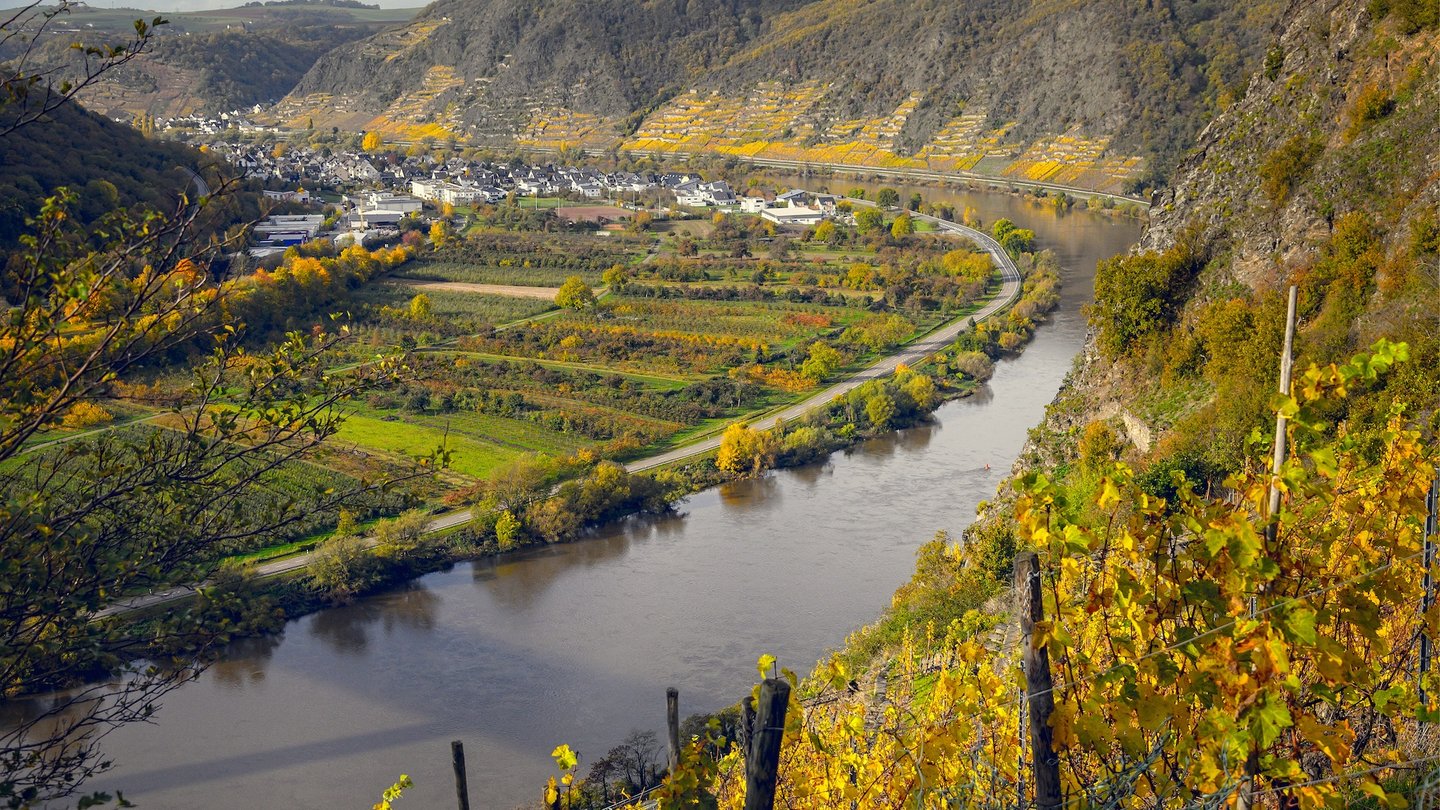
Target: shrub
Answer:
pixel 85 415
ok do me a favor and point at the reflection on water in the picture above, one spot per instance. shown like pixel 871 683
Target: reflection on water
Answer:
pixel 245 660
pixel 577 643
pixel 410 607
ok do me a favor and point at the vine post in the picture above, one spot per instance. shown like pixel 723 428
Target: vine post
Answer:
pixel 762 765
pixel 672 725
pixel 1039 688
pixel 1432 514
pixel 457 759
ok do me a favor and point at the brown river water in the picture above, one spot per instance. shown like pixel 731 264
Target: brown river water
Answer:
pixel 577 643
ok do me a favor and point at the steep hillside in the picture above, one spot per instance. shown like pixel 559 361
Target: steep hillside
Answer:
pixel 208 62
pixel 1324 176
pixel 485 65
pixel 107 165
pixel 1077 92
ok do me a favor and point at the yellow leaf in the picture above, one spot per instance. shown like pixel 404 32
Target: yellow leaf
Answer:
pixel 564 757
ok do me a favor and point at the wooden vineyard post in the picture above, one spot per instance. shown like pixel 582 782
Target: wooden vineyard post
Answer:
pixel 1432 515
pixel 747 725
pixel 762 766
pixel 1045 766
pixel 457 758
pixel 672 725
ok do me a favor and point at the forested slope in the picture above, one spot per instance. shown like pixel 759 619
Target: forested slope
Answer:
pixel 107 166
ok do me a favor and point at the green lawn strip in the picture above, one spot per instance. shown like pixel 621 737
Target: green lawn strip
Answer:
pixel 653 380
pixel 469 456
pixel 515 434
pixel 520 433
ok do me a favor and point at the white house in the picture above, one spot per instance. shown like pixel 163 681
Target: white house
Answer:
pixel 385 201
pixel 794 215
pixel 753 205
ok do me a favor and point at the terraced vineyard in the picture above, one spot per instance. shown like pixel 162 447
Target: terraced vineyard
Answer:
pixel 686 339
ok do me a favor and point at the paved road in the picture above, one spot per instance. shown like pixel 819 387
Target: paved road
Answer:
pixel 932 343
pixel 910 355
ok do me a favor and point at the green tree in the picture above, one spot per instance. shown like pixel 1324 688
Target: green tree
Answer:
pixel 1017 241
pixel 1137 296
pixel 507 530
pixel 575 294
pixel 915 202
pixel 869 220
pixel 921 389
pixel 615 276
pixel 887 198
pixel 402 537
pixel 880 409
pixel 823 361
pixel 342 568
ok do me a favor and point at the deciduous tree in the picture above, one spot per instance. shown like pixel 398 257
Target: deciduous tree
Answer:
pixel 575 294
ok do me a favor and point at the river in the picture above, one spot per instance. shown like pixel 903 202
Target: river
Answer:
pixel 577 643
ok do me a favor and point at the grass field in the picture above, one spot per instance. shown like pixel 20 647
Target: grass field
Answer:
pixel 471 457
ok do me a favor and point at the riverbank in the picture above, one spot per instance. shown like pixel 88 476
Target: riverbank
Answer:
pixel 576 642
pixel 525 507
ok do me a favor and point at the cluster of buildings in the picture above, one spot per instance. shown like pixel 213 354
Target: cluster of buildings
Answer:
pixel 466 184
pixel 275 234
pixel 797 207
pixel 303 165
pixel 368 210
pixel 462 181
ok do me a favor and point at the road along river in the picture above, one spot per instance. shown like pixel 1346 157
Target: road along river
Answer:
pixel 577 643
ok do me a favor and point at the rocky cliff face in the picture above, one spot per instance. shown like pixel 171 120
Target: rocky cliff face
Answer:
pixel 1323 175
pixel 1031 88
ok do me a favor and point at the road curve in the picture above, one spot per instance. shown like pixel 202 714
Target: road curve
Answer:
pixel 911 355
pixel 1010 287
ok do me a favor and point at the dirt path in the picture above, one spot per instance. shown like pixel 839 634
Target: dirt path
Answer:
pixel 512 290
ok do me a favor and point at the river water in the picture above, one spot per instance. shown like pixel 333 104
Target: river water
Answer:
pixel 577 643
